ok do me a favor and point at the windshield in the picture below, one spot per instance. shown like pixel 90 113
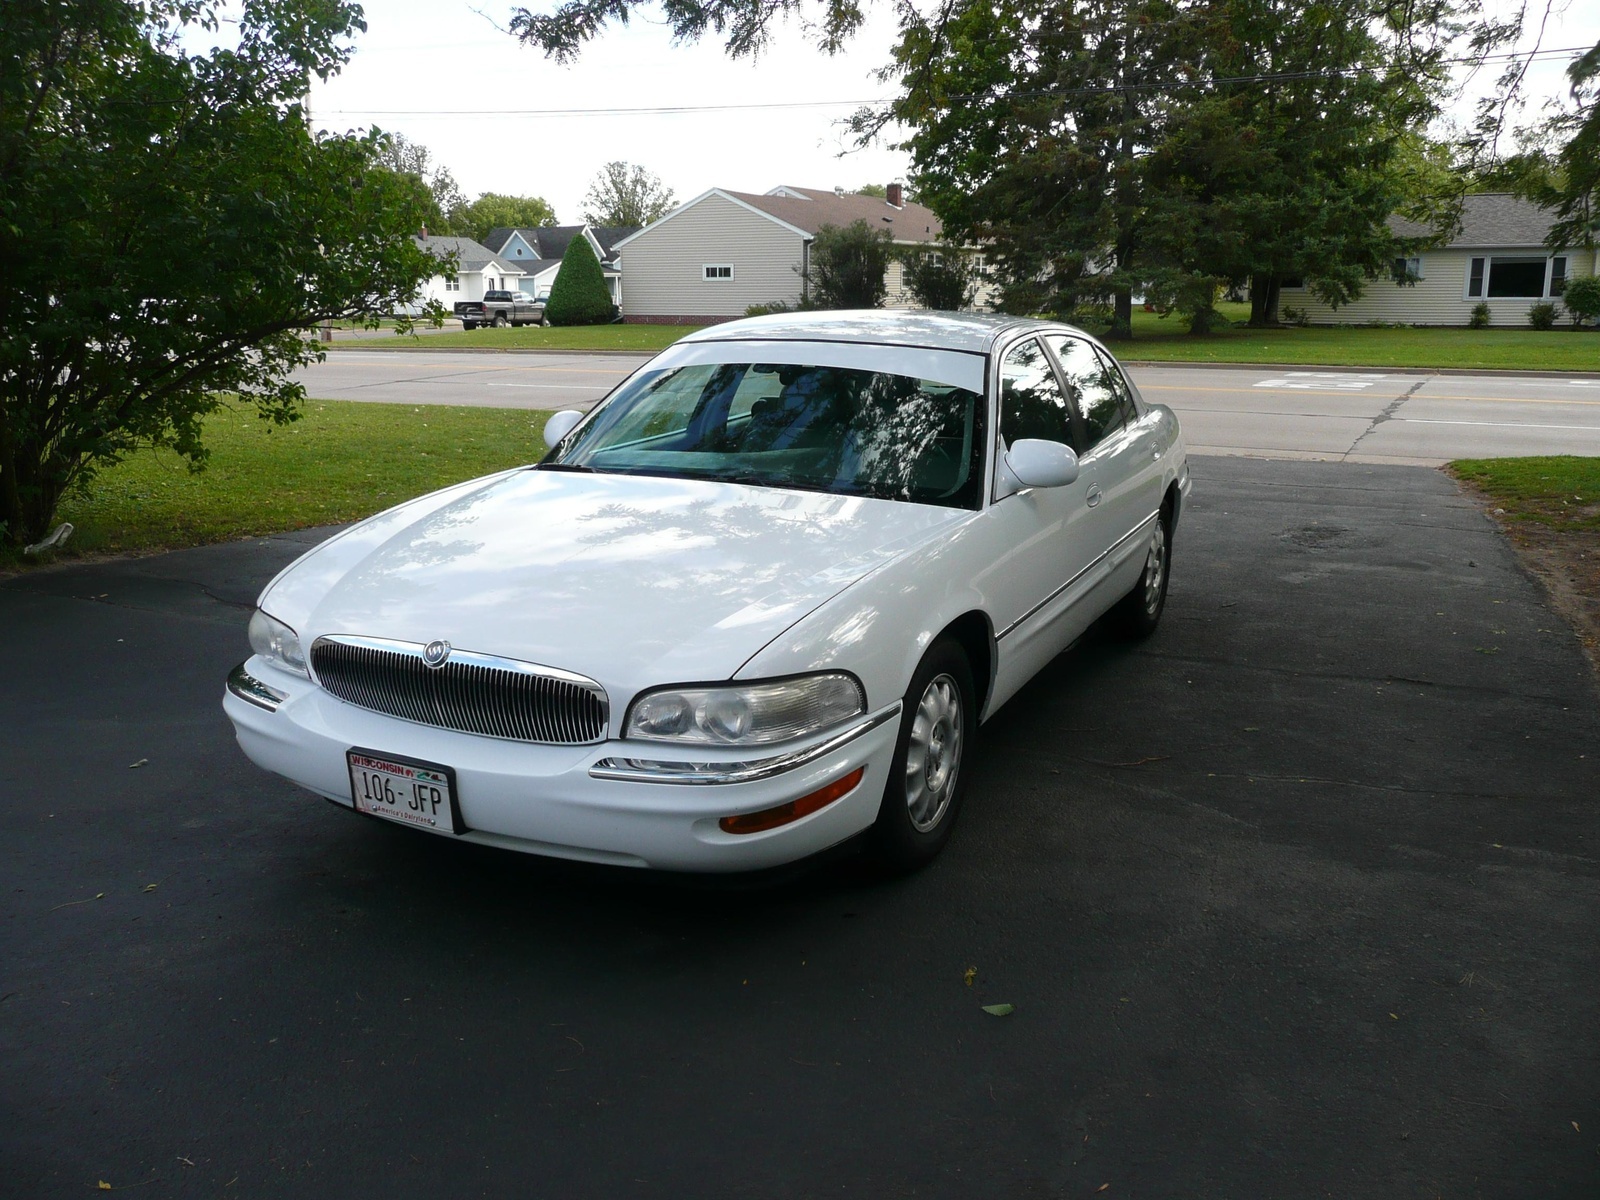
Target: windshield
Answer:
pixel 831 429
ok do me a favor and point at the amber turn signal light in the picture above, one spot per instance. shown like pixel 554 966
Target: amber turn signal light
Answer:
pixel 771 818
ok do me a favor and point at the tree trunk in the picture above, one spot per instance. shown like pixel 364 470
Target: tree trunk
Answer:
pixel 1121 315
pixel 1263 301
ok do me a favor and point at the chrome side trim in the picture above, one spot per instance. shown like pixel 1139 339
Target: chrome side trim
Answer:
pixel 251 690
pixel 644 770
pixel 1107 553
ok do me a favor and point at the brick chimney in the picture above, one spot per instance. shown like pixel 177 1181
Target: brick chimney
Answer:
pixel 896 196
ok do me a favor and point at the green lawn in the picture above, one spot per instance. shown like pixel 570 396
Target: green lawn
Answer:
pixel 1562 491
pixel 645 338
pixel 339 462
pixel 1155 339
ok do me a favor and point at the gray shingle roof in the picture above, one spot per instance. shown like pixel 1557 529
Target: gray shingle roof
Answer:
pixel 470 255
pixel 909 223
pixel 1490 220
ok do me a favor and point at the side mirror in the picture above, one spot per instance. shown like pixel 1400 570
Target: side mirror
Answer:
pixel 1034 462
pixel 564 422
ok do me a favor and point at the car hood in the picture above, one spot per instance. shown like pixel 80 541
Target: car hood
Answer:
pixel 632 581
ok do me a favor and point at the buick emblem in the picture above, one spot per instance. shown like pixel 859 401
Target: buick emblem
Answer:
pixel 434 654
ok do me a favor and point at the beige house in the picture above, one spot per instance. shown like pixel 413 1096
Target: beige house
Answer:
pixel 1499 258
pixel 710 259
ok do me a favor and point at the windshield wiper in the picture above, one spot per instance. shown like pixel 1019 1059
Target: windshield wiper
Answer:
pixel 561 466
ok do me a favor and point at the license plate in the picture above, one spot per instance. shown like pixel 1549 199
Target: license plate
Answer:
pixel 405 790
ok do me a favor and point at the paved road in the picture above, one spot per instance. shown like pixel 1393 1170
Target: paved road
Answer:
pixel 1356 416
pixel 1296 899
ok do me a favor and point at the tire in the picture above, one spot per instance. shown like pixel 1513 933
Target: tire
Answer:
pixel 499 320
pixel 544 322
pixel 927 778
pixel 1139 612
pixel 469 325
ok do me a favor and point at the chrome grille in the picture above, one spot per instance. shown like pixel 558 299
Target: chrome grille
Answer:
pixel 473 693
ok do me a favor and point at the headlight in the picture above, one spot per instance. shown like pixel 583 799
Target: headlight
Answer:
pixel 276 642
pixel 752 714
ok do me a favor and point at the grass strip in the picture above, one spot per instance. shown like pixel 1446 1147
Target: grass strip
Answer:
pixel 1155 339
pixel 1561 491
pixel 341 461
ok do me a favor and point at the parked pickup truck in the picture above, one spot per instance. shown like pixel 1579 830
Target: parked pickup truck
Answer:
pixel 500 308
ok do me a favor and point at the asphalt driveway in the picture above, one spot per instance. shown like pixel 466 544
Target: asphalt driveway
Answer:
pixel 1300 898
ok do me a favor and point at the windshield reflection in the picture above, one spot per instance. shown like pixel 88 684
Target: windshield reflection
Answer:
pixel 841 430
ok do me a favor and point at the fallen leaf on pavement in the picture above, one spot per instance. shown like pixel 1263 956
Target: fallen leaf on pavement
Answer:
pixel 999 1010
pixel 140 763
pixel 969 975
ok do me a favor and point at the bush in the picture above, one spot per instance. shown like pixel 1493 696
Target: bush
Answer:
pixel 1542 316
pixel 1582 299
pixel 579 295
pixel 1295 316
pixel 767 310
pixel 1480 316
pixel 945 280
pixel 847 266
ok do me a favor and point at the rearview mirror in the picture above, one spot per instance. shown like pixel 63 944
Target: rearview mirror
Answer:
pixel 1034 462
pixel 563 423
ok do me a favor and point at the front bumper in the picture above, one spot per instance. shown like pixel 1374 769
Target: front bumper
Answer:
pixel 561 800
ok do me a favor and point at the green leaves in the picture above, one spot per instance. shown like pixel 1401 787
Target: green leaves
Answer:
pixel 174 227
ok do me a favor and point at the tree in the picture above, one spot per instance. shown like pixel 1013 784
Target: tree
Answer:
pixel 944 279
pixel 579 295
pixel 494 211
pixel 848 265
pixel 169 228
pixel 448 212
pixel 622 194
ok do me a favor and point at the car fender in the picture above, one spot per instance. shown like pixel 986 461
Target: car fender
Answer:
pixel 879 627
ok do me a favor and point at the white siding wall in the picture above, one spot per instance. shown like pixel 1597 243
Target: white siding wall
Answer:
pixel 1438 298
pixel 662 265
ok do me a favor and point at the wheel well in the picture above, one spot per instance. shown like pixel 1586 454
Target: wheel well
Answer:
pixel 971 631
pixel 1172 502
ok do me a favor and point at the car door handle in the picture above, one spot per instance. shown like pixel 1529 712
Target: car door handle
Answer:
pixel 1094 495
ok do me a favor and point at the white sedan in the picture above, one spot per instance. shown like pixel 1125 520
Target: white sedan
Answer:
pixel 757 602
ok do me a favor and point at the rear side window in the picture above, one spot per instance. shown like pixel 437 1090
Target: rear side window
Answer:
pixel 1096 388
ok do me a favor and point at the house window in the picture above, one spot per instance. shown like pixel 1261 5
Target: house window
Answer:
pixel 452 283
pixel 717 271
pixel 1406 270
pixel 1516 277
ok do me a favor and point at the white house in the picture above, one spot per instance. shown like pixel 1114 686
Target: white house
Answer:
pixel 478 270
pixel 1499 258
pixel 537 250
pixel 716 255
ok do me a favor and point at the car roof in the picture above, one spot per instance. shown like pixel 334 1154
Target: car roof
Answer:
pixel 973 333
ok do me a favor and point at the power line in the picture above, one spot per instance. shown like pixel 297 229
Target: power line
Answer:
pixel 1108 89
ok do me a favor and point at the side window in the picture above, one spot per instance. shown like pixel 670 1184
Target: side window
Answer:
pixel 1089 380
pixel 1031 402
pixel 1119 386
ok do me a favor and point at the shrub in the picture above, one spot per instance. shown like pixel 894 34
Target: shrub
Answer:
pixel 1480 316
pixel 945 279
pixel 1295 316
pixel 1582 299
pixel 847 266
pixel 1542 316
pixel 767 310
pixel 579 295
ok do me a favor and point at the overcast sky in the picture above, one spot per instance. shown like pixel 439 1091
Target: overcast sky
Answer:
pixel 423 65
